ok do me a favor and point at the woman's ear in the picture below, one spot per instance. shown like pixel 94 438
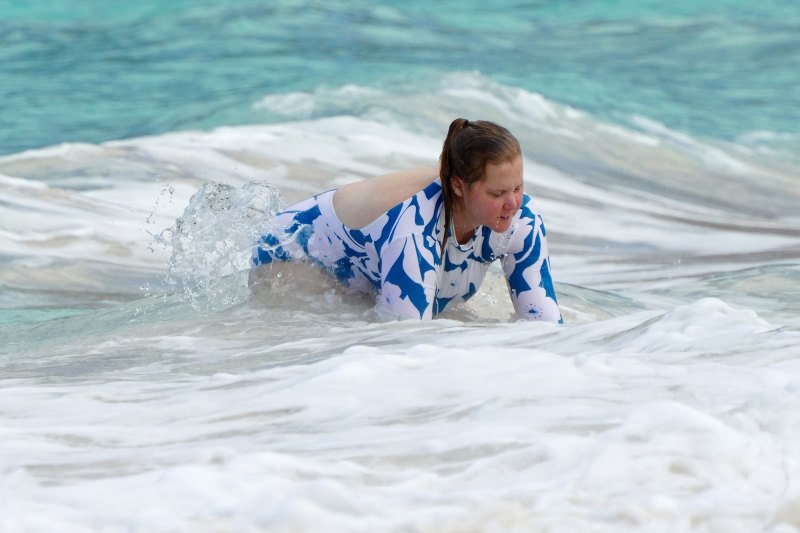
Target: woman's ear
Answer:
pixel 458 186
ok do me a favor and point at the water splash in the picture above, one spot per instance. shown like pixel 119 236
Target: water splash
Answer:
pixel 211 243
pixel 167 191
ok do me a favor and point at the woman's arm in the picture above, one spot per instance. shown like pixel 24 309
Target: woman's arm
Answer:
pixel 527 269
pixel 359 203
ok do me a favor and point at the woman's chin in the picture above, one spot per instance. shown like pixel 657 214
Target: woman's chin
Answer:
pixel 501 224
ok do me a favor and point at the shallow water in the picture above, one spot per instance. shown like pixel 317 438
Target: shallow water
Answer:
pixel 145 388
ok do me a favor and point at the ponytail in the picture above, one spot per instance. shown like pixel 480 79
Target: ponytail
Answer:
pixel 446 166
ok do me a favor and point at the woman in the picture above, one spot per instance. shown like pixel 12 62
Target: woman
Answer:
pixel 386 236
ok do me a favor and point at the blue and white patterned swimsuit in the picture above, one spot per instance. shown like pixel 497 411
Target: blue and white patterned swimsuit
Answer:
pixel 397 256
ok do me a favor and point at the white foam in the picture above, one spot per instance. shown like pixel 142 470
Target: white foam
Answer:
pixel 437 426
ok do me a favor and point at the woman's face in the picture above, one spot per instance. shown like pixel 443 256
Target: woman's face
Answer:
pixel 493 200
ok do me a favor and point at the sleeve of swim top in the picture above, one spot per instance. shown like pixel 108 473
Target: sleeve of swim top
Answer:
pixel 527 269
pixel 408 279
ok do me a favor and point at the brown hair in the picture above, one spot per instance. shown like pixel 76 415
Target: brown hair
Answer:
pixel 469 146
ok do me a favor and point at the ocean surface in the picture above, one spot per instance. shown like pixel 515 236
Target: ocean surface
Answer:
pixel 143 147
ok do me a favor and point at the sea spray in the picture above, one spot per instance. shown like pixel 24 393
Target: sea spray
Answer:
pixel 211 242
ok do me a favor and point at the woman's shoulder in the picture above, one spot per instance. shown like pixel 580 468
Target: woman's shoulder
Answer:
pixel 528 209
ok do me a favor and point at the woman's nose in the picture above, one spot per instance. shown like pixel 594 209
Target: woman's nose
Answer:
pixel 511 202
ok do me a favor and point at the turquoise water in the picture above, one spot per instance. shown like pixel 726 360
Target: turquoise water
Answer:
pixel 94 71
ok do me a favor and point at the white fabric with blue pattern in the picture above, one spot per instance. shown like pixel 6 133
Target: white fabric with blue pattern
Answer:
pixel 397 256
